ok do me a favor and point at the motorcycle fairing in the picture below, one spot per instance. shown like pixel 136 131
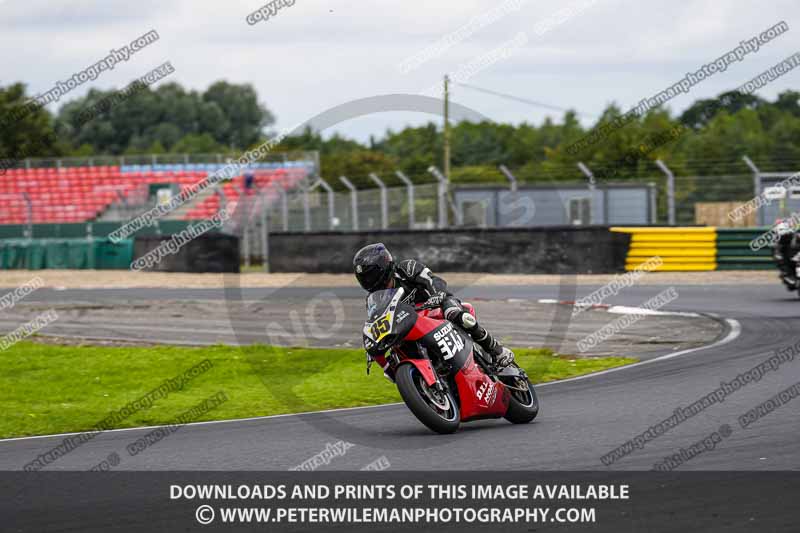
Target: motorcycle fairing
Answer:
pixel 480 396
pixel 448 343
pixel 425 368
pixel 388 319
pixel 441 338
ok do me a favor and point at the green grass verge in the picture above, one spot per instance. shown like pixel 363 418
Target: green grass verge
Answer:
pixel 54 389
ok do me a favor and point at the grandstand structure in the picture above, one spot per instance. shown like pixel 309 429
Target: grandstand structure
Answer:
pixel 57 195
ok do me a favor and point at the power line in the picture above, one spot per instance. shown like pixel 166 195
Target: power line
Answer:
pixel 523 100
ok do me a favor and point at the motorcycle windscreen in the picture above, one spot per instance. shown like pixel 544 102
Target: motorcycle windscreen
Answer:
pixel 380 318
pixel 388 320
pixel 377 302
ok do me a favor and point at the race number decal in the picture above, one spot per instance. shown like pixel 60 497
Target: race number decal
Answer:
pixel 380 328
pixel 449 341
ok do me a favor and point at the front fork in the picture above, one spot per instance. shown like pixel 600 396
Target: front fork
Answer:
pixel 429 374
pixel 423 365
pixel 390 362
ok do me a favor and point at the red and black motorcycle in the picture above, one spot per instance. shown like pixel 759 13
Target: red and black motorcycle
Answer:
pixel 443 377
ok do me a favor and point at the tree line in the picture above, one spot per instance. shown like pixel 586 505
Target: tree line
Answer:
pixel 708 138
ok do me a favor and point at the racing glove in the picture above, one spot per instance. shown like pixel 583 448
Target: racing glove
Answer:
pixel 437 299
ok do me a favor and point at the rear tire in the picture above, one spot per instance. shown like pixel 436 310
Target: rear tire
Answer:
pixel 442 416
pixel 522 406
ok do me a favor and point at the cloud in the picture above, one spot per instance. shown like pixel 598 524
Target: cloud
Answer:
pixel 316 55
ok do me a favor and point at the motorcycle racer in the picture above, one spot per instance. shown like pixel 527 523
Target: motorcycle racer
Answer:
pixel 375 270
pixel 785 251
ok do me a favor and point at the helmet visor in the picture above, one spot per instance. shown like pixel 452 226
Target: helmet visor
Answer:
pixel 371 278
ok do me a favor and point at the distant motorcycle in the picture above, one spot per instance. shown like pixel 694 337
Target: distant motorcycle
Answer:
pixel 785 252
pixel 443 377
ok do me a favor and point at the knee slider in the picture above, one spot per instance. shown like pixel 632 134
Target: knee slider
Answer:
pixel 468 321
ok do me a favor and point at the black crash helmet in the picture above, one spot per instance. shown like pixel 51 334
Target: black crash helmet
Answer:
pixel 374 266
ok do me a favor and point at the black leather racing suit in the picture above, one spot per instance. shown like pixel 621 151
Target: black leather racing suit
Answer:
pixel 420 284
pixel 786 247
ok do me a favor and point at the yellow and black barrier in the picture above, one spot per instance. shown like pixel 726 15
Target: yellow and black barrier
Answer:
pixel 680 249
pixel 696 248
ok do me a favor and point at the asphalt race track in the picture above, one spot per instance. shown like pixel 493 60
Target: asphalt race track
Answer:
pixel 331 319
pixel 580 420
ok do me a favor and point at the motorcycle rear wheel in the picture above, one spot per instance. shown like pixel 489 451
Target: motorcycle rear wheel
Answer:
pixel 438 411
pixel 523 406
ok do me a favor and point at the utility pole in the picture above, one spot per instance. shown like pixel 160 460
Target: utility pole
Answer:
pixel 446 127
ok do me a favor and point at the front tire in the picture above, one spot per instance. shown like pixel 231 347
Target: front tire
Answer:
pixel 438 411
pixel 523 406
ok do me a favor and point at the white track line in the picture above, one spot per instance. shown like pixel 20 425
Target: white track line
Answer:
pixel 735 331
pixel 207 422
pixel 626 310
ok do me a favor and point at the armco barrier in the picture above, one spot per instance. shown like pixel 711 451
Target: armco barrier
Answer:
pixel 551 250
pixel 696 248
pixel 36 254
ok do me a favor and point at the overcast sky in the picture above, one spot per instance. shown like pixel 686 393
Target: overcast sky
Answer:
pixel 315 55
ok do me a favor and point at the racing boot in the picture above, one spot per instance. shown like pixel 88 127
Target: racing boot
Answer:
pixel 502 355
pixel 504 358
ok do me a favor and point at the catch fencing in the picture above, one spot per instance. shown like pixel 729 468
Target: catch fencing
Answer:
pixel 667 195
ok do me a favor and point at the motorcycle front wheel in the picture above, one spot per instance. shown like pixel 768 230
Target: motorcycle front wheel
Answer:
pixel 436 409
pixel 523 405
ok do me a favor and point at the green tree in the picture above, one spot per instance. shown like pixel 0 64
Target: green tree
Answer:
pixel 228 114
pixel 245 117
pixel 700 113
pixel 356 165
pixel 414 148
pixel 25 131
pixel 198 143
